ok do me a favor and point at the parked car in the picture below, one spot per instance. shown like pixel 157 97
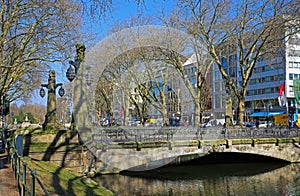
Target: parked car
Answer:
pixel 207 124
pixel 250 124
pixel 264 124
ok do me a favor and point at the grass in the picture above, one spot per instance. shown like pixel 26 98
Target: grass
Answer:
pixel 60 181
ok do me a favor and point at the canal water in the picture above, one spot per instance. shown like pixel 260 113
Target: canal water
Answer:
pixel 258 178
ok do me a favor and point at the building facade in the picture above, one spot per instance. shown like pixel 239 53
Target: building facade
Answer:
pixel 263 89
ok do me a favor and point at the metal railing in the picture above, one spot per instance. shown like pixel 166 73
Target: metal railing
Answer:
pixel 144 134
pixel 26 177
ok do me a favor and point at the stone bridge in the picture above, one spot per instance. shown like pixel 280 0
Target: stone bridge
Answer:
pixel 139 148
pixel 144 148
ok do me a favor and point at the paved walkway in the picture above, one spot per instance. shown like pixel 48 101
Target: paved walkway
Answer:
pixel 8 185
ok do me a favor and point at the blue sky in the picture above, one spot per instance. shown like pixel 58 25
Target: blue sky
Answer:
pixel 124 9
pixel 121 10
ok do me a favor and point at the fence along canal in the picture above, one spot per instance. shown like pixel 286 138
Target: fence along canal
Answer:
pixel 26 178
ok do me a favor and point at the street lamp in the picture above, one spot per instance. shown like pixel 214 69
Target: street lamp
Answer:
pixel 51 101
pixel 269 108
pixel 72 72
pixel 75 65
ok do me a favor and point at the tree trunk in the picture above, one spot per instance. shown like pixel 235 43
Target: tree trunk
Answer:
pixel 126 112
pixel 241 111
pixel 197 114
pixel 228 112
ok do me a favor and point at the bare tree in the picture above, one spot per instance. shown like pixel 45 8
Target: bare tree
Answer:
pixel 104 100
pixel 253 29
pixel 33 34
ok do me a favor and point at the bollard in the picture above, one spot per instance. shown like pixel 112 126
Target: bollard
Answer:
pixel 33 176
pixel 18 168
pixel 24 180
pixel 15 164
pixel 8 149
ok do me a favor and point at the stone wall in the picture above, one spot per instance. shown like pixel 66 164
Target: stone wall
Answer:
pixel 62 148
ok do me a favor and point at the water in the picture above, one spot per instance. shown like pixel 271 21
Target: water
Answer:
pixel 209 179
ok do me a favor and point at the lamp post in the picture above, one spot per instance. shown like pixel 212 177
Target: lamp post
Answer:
pixel 73 69
pixel 269 108
pixel 51 117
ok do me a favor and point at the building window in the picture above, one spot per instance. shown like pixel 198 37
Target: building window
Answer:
pixel 259 91
pixel 268 91
pixel 217 74
pixel 291 76
pixel 224 62
pixel 294 53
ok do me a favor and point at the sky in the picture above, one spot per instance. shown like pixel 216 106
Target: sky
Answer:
pixel 121 10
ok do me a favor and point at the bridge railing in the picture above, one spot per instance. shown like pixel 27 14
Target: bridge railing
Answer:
pixel 270 132
pixel 148 134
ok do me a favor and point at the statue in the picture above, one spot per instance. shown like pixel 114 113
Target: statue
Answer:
pixel 80 50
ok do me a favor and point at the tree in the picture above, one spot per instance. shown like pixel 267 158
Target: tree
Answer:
pixel 103 97
pixel 253 29
pixel 33 34
pixel 35 113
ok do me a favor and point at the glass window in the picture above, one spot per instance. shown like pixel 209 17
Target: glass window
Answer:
pixel 231 60
pixel 291 76
pixel 258 91
pixel 218 74
pixel 226 71
pixel 290 64
pixel 224 62
pixel 218 102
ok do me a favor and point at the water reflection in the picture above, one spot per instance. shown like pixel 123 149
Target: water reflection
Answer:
pixel 215 179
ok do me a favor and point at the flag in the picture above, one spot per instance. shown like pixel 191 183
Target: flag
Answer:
pixel 281 89
pixel 282 97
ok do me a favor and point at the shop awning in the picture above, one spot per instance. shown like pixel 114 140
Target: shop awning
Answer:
pixel 262 114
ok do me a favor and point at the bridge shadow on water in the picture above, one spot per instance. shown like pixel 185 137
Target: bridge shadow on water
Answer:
pixel 212 166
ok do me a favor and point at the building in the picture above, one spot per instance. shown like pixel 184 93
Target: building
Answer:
pixel 263 89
